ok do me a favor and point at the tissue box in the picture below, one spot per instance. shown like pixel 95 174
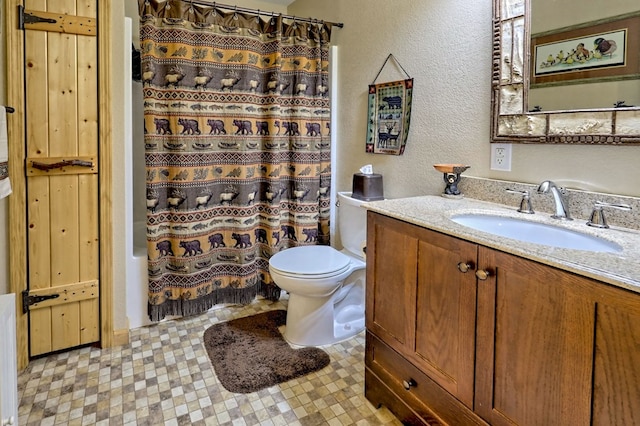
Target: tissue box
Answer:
pixel 367 187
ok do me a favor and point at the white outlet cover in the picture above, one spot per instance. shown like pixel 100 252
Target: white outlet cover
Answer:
pixel 501 157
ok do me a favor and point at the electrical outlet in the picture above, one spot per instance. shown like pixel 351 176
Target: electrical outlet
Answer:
pixel 501 157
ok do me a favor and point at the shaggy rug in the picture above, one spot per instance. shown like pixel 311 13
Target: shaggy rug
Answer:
pixel 249 354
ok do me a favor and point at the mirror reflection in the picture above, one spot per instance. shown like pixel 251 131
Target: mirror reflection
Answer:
pixel 575 60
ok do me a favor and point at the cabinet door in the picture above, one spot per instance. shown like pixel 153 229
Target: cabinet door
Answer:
pixel 391 281
pixel 616 377
pixel 444 345
pixel 535 343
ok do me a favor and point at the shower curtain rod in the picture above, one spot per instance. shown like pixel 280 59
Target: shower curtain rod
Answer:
pixel 262 12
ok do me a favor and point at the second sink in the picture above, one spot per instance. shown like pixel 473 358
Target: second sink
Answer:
pixel 535 232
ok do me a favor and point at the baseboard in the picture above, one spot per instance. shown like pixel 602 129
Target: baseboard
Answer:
pixel 120 337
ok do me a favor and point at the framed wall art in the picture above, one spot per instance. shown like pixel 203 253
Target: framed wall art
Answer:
pixel 389 115
pixel 596 51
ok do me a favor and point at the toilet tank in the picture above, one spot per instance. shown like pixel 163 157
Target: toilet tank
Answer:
pixel 352 223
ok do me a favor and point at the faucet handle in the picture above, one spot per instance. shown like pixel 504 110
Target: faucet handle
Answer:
pixel 525 203
pixel 598 219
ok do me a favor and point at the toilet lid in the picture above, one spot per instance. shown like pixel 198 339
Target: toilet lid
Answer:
pixel 309 260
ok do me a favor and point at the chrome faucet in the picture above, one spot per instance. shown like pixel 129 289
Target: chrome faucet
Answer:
pixel 562 211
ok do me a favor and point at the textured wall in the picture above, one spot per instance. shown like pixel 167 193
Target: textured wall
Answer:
pixel 446 46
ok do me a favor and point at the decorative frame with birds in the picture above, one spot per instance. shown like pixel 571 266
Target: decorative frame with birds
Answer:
pixel 594 51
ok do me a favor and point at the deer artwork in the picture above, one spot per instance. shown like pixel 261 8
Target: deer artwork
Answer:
pixel 229 194
pixel 149 72
pixel 174 76
pixel 152 200
pixel 203 77
pixel 254 83
pixel 229 81
pixel 176 198
pixel 251 196
pixel 322 89
pixel 300 193
pixel 203 199
pixel 301 88
pixel 386 135
pixel 276 86
pixel 272 85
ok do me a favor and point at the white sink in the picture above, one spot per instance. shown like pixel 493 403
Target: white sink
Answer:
pixel 536 233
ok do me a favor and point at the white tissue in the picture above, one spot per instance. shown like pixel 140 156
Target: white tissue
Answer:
pixel 366 170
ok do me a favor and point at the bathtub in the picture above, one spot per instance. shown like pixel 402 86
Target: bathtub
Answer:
pixel 137 279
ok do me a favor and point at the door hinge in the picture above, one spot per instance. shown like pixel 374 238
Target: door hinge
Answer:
pixel 28 300
pixel 29 18
pixel 55 22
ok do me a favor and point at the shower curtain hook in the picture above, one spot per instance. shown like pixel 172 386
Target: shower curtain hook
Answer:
pixel 235 13
pixel 258 17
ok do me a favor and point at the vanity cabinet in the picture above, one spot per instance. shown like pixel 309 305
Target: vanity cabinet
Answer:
pixel 458 333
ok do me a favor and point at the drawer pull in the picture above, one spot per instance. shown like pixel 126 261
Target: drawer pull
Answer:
pixel 483 274
pixel 408 384
pixel 465 266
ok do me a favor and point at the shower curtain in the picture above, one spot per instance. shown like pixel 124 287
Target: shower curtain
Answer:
pixel 237 150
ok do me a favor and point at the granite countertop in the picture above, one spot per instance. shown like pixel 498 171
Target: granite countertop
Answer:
pixel 621 269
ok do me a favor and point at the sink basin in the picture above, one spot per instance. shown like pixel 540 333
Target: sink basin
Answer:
pixel 536 233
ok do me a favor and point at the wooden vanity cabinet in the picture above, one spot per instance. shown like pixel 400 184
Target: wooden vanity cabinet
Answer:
pixel 535 344
pixel 422 306
pixel 517 343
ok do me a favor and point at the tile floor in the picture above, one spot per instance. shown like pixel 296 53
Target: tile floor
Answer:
pixel 164 376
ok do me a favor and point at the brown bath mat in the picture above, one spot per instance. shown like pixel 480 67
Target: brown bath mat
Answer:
pixel 249 354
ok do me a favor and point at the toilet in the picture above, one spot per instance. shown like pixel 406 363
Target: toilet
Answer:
pixel 326 287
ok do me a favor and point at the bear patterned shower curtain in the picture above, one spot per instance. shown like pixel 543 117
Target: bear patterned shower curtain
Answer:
pixel 237 150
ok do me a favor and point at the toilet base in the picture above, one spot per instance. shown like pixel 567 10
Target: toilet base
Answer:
pixel 318 321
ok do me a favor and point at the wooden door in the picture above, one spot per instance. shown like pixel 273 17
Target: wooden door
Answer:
pixel 446 313
pixel 535 343
pixel 61 114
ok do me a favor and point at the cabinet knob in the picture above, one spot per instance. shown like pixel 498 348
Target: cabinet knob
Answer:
pixel 465 266
pixel 483 274
pixel 408 384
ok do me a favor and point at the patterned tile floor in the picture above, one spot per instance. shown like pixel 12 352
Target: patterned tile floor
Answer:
pixel 164 376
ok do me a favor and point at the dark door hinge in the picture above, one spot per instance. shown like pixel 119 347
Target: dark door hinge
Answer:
pixel 28 18
pixel 28 300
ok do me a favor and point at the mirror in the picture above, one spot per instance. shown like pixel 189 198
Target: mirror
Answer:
pixel 592 75
pixel 513 71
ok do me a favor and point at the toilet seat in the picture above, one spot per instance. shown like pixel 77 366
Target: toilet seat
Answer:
pixel 310 262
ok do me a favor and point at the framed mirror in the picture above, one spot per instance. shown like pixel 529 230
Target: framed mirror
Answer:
pixel 515 121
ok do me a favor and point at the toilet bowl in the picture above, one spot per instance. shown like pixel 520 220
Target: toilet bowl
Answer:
pixel 326 287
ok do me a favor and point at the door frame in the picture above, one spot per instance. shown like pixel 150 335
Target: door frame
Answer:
pixel 17 242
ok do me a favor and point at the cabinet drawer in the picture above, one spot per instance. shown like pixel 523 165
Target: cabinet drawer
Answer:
pixel 424 396
pixel 378 394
